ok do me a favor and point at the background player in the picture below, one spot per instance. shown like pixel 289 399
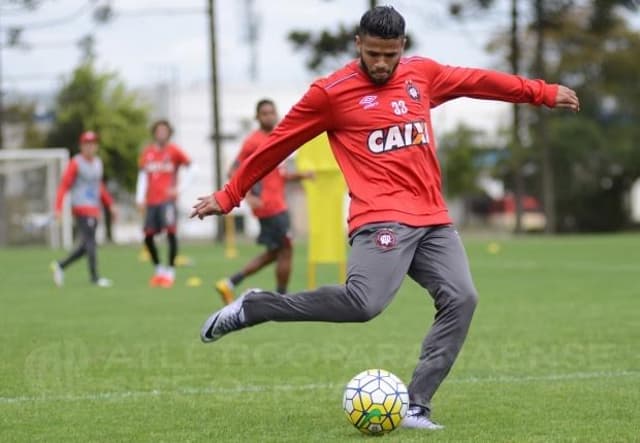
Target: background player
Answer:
pixel 156 193
pixel 376 111
pixel 83 177
pixel 268 203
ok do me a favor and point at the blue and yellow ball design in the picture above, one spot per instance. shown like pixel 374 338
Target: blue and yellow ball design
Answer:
pixel 375 401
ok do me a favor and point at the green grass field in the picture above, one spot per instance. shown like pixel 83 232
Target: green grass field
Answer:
pixel 553 354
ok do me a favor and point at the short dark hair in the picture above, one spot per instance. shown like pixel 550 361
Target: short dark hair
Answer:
pixel 382 21
pixel 162 122
pixel 263 102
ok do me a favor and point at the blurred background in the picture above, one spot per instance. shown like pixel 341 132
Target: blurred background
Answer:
pixel 114 66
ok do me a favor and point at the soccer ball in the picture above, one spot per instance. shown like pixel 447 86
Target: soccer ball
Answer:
pixel 375 401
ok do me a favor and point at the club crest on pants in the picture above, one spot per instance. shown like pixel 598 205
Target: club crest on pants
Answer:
pixel 386 239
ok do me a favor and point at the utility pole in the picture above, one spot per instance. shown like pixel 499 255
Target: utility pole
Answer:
pixel 516 140
pixel 215 114
pixel 252 38
pixel 548 193
pixel 1 91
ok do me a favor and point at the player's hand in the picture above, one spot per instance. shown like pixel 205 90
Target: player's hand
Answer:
pixel 57 216
pixel 253 201
pixel 172 193
pixel 141 208
pixel 567 98
pixel 206 206
pixel 309 175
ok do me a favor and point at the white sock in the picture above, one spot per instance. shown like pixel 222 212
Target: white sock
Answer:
pixel 170 272
pixel 159 269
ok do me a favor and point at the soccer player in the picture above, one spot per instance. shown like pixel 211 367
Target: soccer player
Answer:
pixel 156 193
pixel 83 177
pixel 376 111
pixel 267 201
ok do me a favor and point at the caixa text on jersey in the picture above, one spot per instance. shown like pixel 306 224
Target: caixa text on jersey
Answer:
pixel 398 136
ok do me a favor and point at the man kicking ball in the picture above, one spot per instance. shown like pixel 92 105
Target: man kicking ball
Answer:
pixel 376 111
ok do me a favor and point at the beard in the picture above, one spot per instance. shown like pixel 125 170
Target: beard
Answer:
pixel 379 77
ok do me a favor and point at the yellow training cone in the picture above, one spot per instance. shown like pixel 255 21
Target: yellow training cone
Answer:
pixel 194 282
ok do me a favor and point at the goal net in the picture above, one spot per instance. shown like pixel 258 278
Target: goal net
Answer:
pixel 28 182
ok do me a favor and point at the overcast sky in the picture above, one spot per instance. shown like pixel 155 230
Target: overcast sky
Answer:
pixel 147 42
pixel 158 40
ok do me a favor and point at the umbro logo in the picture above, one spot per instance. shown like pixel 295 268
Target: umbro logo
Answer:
pixel 369 101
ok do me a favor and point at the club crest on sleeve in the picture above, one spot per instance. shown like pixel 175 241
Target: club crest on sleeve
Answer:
pixel 412 91
pixel 386 239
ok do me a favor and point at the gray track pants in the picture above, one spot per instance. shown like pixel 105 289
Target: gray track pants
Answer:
pixel 381 255
pixel 86 227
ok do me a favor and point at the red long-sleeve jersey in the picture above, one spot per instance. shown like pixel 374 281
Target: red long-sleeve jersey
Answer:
pixel 381 135
pixel 272 185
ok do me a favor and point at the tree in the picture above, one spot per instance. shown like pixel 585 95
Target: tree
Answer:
pixel 329 49
pixel 465 157
pixel 588 46
pixel 584 163
pixel 15 34
pixel 326 49
pixel 597 56
pixel 459 151
pixel 90 100
pixel 20 116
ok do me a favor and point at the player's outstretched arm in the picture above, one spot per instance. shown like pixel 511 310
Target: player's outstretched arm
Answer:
pixel 308 118
pixel 451 82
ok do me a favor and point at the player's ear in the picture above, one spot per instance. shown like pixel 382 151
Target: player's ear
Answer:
pixel 358 44
pixel 404 42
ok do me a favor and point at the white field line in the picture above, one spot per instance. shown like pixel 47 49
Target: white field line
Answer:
pixel 527 265
pixel 125 395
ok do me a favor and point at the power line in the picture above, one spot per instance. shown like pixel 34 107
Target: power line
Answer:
pixel 147 12
pixel 56 22
pixel 16 9
pixel 45 45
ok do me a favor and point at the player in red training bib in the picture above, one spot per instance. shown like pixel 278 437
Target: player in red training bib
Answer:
pixel 377 113
pixel 156 192
pixel 267 201
pixel 83 180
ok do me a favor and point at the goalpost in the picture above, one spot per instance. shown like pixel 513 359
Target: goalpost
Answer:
pixel 28 183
